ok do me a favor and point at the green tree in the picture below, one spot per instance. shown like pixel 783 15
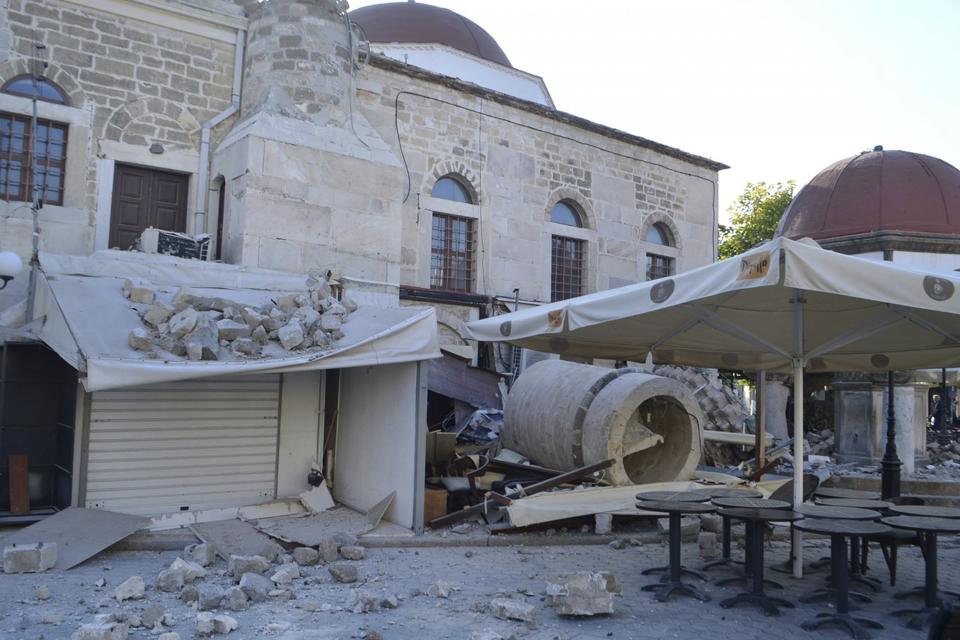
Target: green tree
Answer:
pixel 754 216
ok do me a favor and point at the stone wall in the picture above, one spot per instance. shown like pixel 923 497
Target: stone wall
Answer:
pixel 133 78
pixel 519 163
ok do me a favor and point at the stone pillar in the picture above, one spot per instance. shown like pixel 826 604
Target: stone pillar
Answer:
pixel 775 405
pixel 301 47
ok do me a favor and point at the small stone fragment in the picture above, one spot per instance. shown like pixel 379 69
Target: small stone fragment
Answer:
pixel 508 609
pixel 42 592
pixel 255 586
pixel 247 346
pixel 603 523
pixel 224 624
pixel 189 594
pixel 707 541
pixel 711 522
pixel 252 317
pixel 130 589
pixel 170 635
pixel 361 601
pixel 205 333
pixel 173 345
pixel 485 634
pixel 618 544
pixel 139 339
pixel 308 317
pixel 183 298
pixel 288 302
pixel 584 593
pixel 440 589
pixel 260 336
pixel 194 351
pixel 101 631
pixel 389 602
pixel 170 581
pixel 285 574
pixel 343 572
pixel 330 322
pixel 239 565
pixel 237 600
pixel 353 552
pixel 306 556
pixel 53 617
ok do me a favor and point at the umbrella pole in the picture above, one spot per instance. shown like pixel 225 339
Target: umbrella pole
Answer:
pixel 798 364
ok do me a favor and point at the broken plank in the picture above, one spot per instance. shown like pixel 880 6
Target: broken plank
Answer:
pixel 237 538
pixel 78 533
pixel 530 490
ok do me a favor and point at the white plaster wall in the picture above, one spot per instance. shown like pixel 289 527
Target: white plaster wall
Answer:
pixel 937 261
pixel 376 448
pixel 301 433
pixel 457 64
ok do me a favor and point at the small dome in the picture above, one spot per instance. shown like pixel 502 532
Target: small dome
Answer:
pixel 877 191
pixel 412 22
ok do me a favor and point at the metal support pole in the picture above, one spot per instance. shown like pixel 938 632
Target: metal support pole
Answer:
pixel 944 400
pixel 761 443
pixel 798 396
pixel 890 465
pixel 37 198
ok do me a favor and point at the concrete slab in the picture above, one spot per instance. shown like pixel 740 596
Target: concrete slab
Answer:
pixel 238 538
pixel 79 533
pixel 310 530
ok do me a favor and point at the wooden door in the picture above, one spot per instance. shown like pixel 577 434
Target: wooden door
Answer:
pixel 146 198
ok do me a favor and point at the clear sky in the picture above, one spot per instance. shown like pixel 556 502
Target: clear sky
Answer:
pixel 776 89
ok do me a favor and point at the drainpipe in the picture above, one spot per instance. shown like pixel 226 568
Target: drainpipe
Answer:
pixel 199 219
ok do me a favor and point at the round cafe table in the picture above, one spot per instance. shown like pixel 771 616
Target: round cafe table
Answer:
pixel 726 558
pixel 839 531
pixel 673 582
pixel 672 497
pixel 742 502
pixel 929 529
pixel 756 518
pixel 856 568
pixel 838 492
pixel 926 511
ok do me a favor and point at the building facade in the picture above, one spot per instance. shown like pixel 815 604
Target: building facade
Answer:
pixel 295 140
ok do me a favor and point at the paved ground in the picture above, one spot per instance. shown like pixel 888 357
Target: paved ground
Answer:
pixel 315 605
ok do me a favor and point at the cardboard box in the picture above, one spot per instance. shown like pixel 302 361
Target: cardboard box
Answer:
pixel 434 504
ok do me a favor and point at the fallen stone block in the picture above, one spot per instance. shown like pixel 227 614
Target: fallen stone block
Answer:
pixel 330 322
pixel 585 593
pixel 361 601
pixel 183 298
pixel 711 522
pixel 205 334
pixel 152 617
pixel 158 314
pixel 288 302
pixel 190 570
pixel 236 599
pixel 255 586
pixel 231 330
pixel 239 565
pixel 260 336
pixel 101 631
pixel 201 553
pixel 603 523
pixel 140 295
pixel 390 601
pixel 707 541
pixel 689 526
pixel 308 317
pixel 224 624
pixel 290 335
pixel 285 574
pixel 210 598
pixel 343 572
pixel 509 609
pixel 183 322
pixel 170 581
pixel 353 552
pixel 194 351
pixel 189 594
pixel 306 556
pixel 173 345
pixel 329 549
pixel 132 588
pixel 42 592
pixel 140 339
pixel 208 623
pixel 29 558
pixel 247 346
pixel 252 317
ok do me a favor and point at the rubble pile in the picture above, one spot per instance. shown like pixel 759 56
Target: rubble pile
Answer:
pixel 947 454
pixel 819 443
pixel 200 327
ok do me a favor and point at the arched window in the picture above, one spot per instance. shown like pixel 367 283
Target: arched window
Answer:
pixel 28 165
pixel 451 239
pixel 564 213
pixel 451 189
pixel 660 266
pixel 46 90
pixel 658 233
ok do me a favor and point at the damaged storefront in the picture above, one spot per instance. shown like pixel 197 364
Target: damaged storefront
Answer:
pixel 195 399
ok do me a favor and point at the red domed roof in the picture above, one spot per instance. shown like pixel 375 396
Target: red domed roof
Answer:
pixel 877 191
pixel 412 22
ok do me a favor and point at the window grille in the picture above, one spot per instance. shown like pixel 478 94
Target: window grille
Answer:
pixel 451 253
pixel 566 268
pixel 16 161
pixel 658 266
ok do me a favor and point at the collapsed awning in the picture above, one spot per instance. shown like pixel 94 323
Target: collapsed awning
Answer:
pixel 86 320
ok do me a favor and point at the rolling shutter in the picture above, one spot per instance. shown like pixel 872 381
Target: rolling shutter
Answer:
pixel 199 444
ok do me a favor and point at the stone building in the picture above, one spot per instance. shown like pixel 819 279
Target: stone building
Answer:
pixel 879 205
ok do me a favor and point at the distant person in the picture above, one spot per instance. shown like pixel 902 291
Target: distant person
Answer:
pixel 938 414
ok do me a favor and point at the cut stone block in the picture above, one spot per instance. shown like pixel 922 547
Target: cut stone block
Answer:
pixel 29 558
pixel 585 593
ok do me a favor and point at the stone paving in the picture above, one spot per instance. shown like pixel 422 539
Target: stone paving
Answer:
pixel 315 606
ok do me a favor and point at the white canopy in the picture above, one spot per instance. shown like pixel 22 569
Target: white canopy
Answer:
pixel 784 305
pixel 86 320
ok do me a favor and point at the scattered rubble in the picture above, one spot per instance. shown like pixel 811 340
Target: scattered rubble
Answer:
pixel 239 565
pixel 306 556
pixel 152 617
pixel 343 572
pixel 190 570
pixel 353 552
pixel 509 609
pixel 210 597
pixel 208 328
pixel 208 623
pixel 285 574
pixel 101 631
pixel 583 594
pixel 440 589
pixel 255 586
pixel 29 558
pixel 237 599
pixel 361 601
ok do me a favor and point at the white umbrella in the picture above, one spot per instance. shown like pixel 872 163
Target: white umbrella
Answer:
pixel 783 306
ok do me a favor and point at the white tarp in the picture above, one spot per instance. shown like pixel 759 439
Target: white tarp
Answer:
pixel 858 315
pixel 87 320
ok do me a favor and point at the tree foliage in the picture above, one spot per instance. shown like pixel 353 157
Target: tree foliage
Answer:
pixel 754 216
